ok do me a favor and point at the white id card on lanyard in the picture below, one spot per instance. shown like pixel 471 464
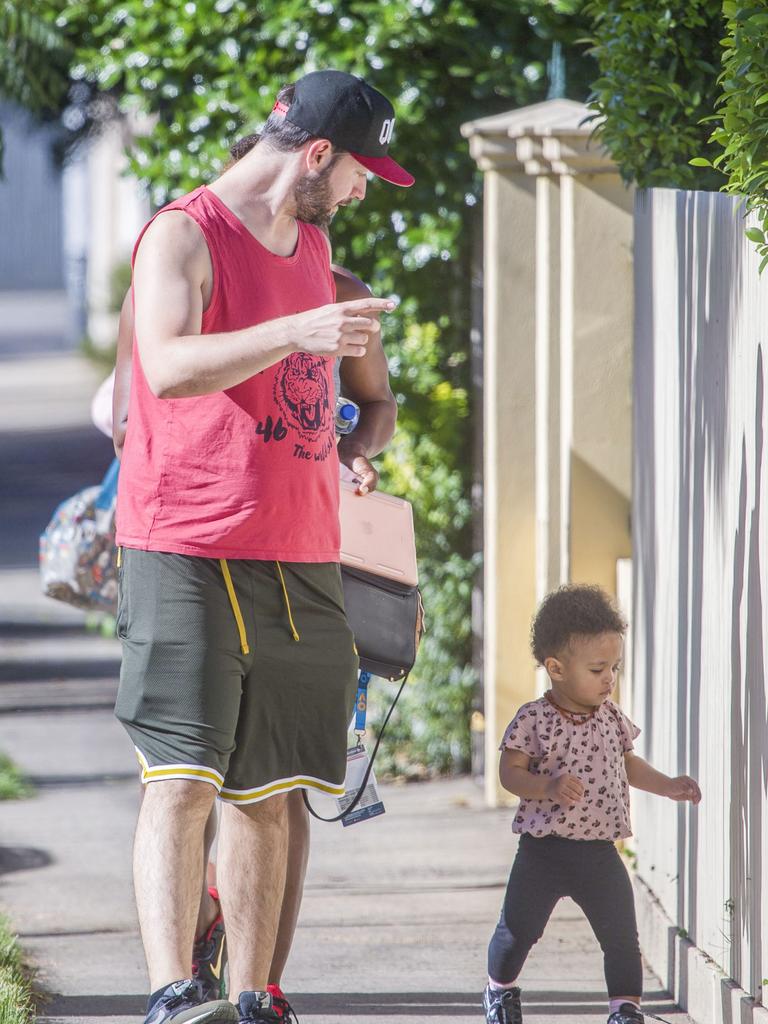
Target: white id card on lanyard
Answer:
pixel 370 803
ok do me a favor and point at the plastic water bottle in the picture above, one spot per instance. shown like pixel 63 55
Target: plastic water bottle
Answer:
pixel 347 415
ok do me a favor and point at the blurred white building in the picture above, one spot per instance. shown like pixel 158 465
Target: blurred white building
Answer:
pixel 63 232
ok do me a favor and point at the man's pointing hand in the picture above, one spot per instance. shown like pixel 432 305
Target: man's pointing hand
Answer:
pixel 339 329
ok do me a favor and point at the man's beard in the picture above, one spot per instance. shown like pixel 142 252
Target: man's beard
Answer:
pixel 312 196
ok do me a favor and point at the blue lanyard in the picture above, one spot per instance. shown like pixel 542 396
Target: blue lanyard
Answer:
pixel 361 703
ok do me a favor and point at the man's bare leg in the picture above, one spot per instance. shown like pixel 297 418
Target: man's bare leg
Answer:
pixel 298 858
pixel 209 908
pixel 168 874
pixel 253 849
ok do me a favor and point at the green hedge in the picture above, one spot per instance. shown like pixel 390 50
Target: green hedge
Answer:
pixel 666 75
pixel 742 133
pixel 12 783
pixel 33 61
pixel 659 62
pixel 429 730
pixel 16 1005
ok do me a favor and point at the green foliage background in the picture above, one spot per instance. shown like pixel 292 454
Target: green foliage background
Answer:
pixel 659 63
pixel 742 130
pixel 207 72
pixel 670 70
pixel 34 61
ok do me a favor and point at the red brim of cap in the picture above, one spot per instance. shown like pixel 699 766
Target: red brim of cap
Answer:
pixel 386 168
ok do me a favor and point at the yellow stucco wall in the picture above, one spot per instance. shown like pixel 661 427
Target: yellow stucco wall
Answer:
pixel 600 527
pixel 558 292
pixel 510 512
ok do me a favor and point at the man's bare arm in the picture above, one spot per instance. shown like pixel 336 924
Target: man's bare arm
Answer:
pixel 365 381
pixel 172 276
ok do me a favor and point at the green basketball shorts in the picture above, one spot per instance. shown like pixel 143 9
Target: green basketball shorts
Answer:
pixel 239 673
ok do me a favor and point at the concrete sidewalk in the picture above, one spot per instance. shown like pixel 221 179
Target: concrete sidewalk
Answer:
pixel 398 910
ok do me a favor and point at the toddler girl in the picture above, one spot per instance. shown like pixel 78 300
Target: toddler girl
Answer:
pixel 569 758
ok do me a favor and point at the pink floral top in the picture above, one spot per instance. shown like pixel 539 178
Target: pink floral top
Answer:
pixel 590 748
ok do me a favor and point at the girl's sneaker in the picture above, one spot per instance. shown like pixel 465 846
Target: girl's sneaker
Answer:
pixel 502 1006
pixel 627 1013
pixel 281 1005
pixel 209 957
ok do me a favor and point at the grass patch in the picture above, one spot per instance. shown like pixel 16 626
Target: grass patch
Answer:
pixel 16 1006
pixel 12 786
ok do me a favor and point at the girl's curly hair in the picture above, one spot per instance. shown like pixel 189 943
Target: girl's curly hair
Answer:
pixel 572 610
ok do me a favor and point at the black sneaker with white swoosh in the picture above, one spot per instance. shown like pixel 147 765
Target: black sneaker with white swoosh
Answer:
pixel 183 1003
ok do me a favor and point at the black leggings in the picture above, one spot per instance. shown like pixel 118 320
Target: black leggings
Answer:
pixel 591 872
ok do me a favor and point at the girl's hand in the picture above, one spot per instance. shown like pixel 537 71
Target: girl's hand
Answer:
pixel 683 788
pixel 565 789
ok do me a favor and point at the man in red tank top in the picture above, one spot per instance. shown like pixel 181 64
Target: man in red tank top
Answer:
pixel 239 668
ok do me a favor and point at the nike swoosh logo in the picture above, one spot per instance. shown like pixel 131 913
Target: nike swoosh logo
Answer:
pixel 205 1017
pixel 216 968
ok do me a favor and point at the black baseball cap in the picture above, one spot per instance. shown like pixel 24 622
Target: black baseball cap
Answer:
pixel 352 115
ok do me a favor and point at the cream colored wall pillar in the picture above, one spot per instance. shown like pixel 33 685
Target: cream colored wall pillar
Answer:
pixel 549 539
pixel 510 510
pixel 558 335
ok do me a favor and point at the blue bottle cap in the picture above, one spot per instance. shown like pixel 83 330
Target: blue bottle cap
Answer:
pixel 347 412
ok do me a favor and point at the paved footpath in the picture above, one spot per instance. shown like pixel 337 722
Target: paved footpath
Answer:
pixel 398 910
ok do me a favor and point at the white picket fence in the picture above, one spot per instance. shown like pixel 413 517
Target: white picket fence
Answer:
pixel 700 608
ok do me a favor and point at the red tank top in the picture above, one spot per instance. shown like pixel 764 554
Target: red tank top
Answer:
pixel 250 472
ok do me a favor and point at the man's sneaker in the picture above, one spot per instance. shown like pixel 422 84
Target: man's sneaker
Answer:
pixel 627 1013
pixel 183 1003
pixel 281 1004
pixel 209 957
pixel 502 1005
pixel 258 1006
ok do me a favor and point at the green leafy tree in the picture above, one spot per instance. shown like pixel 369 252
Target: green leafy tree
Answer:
pixel 34 59
pixel 659 62
pixel 207 71
pixel 741 135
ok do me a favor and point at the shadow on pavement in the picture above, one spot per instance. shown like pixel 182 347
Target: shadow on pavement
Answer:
pixel 93 1006
pixel 67 781
pixel 438 1004
pixel 369 1004
pixel 21 858
pixel 47 671
pixel 40 470
pixel 36 630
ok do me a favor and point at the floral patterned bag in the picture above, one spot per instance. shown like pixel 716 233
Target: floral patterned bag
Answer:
pixel 78 557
